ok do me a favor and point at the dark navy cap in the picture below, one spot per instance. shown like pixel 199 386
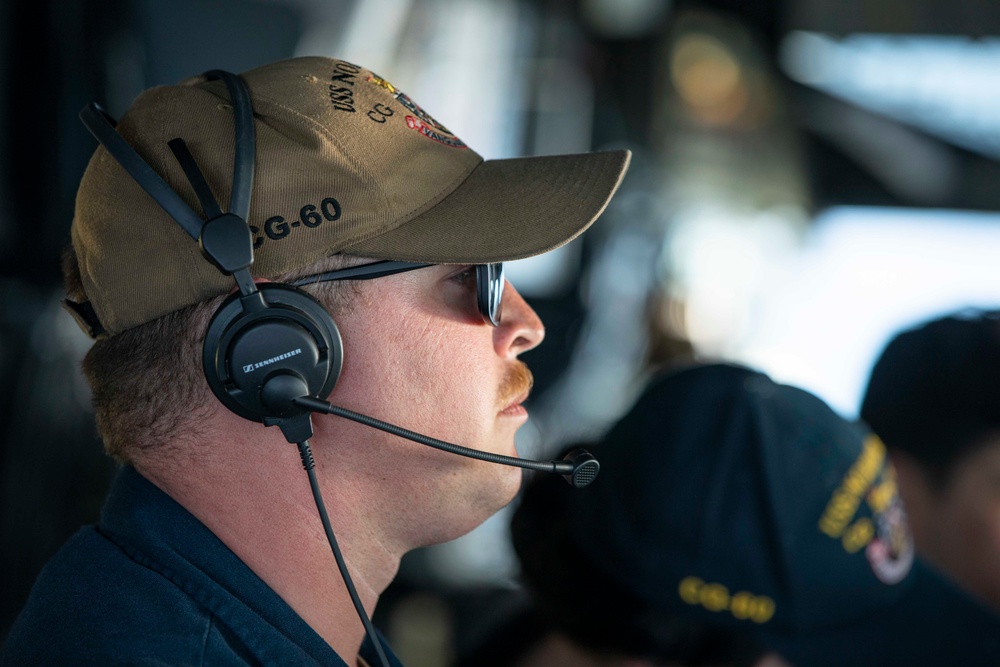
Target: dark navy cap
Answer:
pixel 726 497
pixel 934 392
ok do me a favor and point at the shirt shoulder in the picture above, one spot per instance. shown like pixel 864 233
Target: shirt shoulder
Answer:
pixel 93 604
pixel 152 585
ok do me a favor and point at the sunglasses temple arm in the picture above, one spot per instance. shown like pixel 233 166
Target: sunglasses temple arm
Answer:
pixel 364 272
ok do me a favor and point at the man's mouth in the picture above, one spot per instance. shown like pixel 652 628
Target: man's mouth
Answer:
pixel 515 408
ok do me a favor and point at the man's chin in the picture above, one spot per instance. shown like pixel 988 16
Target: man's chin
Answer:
pixel 489 497
pixel 500 488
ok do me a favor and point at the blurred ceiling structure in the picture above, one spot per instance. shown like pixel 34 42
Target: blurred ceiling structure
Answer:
pixel 974 18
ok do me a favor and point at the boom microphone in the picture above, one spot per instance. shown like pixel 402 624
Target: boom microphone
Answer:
pixel 579 468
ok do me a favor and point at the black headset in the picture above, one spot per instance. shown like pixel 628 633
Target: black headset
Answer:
pixel 266 344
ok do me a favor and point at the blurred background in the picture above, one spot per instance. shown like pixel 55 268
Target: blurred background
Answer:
pixel 809 176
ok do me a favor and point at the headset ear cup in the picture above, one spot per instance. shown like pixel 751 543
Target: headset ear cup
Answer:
pixel 293 335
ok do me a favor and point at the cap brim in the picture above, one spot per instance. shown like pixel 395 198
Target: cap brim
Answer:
pixel 507 210
pixel 932 623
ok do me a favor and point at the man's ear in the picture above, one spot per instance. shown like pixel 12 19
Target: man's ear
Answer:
pixel 918 490
pixel 911 473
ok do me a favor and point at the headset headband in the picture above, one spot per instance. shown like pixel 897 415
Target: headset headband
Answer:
pixel 225 237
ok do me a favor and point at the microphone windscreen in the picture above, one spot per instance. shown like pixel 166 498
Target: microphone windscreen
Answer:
pixel 585 468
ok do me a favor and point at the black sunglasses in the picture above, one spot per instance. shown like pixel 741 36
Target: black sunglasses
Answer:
pixel 489 282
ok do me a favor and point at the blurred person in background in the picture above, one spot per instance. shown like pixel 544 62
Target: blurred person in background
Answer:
pixel 213 547
pixel 735 521
pixel 934 399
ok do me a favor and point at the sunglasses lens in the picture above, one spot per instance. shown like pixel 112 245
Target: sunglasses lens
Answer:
pixel 489 282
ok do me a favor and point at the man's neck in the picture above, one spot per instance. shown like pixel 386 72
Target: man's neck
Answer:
pixel 260 505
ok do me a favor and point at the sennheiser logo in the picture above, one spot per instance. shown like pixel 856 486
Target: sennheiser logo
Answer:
pixel 267 362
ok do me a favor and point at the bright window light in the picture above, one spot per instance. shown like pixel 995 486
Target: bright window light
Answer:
pixel 863 275
pixel 947 86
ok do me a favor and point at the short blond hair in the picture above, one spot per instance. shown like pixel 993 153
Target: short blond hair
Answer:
pixel 147 381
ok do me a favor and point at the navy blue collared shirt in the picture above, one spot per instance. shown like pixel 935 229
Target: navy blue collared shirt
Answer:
pixel 151 585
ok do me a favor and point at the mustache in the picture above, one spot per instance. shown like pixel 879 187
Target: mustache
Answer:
pixel 517 381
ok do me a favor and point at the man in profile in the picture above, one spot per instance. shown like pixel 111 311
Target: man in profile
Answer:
pixel 210 549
